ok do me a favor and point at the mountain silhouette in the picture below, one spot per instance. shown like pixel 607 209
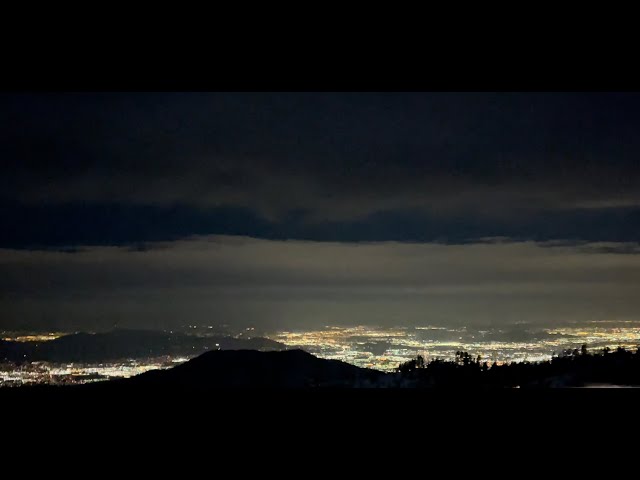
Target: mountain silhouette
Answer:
pixel 254 369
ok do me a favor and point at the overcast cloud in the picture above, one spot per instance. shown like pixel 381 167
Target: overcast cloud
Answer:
pixel 333 156
pixel 297 209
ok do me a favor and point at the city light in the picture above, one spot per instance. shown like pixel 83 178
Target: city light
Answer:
pixel 364 346
pixel 385 348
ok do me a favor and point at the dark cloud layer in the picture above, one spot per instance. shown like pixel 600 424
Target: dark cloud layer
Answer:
pixel 319 165
pixel 68 225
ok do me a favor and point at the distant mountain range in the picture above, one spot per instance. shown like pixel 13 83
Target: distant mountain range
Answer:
pixel 253 369
pixel 125 344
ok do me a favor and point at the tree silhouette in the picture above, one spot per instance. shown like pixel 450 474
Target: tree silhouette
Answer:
pixel 575 367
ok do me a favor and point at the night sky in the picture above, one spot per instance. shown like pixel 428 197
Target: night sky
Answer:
pixel 302 209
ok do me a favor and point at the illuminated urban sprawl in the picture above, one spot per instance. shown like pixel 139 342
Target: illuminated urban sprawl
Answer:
pixel 365 346
pixel 35 373
pixel 385 348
